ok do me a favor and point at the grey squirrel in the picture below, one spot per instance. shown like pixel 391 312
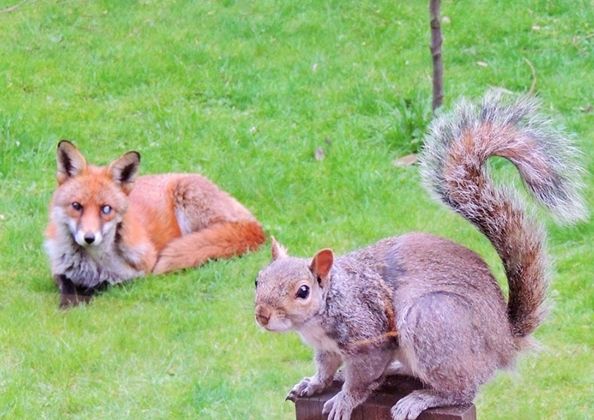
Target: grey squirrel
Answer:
pixel 422 305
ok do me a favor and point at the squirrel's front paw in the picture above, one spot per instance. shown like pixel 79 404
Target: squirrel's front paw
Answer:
pixel 339 407
pixel 410 407
pixel 306 388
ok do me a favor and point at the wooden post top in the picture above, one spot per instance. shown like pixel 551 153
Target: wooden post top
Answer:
pixel 378 405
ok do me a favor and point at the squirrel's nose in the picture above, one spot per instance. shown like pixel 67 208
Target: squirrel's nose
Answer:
pixel 89 237
pixel 262 315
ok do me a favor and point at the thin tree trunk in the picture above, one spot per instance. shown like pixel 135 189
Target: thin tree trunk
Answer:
pixel 436 53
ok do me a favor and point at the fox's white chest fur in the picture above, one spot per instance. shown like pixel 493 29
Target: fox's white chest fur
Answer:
pixel 89 266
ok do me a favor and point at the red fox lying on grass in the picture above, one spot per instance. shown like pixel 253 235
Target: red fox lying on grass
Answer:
pixel 107 226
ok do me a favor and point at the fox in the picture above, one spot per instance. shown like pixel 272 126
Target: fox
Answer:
pixel 107 225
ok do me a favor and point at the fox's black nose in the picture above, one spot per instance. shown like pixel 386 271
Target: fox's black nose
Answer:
pixel 89 238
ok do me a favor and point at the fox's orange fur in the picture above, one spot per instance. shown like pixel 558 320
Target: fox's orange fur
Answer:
pixel 107 226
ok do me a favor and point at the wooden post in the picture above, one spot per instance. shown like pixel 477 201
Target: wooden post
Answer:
pixel 436 41
pixel 378 405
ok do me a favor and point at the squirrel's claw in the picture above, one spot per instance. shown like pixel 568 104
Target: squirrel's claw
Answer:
pixel 291 396
pixel 338 407
pixel 305 388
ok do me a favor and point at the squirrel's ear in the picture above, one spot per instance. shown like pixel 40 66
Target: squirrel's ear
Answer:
pixel 123 170
pixel 70 161
pixel 321 264
pixel 277 250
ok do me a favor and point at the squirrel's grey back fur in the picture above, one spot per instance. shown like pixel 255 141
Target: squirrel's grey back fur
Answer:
pixel 425 302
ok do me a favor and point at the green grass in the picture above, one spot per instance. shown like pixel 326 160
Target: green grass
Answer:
pixel 244 92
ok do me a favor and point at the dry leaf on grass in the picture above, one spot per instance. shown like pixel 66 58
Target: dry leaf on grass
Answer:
pixel 407 160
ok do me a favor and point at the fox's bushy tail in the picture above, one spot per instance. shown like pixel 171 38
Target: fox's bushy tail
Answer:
pixel 453 168
pixel 222 240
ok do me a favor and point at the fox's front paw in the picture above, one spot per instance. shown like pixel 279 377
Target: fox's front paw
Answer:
pixel 306 388
pixel 70 294
pixel 73 300
pixel 339 407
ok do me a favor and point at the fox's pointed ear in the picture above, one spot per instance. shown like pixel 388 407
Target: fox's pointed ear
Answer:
pixel 70 161
pixel 123 170
pixel 321 264
pixel 277 250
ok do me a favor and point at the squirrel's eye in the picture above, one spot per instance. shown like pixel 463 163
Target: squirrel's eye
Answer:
pixel 76 206
pixel 106 209
pixel 303 292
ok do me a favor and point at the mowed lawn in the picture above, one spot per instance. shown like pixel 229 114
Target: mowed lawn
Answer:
pixel 245 92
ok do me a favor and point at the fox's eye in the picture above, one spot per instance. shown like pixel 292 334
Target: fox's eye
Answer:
pixel 303 292
pixel 76 206
pixel 106 209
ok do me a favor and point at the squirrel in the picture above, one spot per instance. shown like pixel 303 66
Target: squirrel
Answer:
pixel 421 305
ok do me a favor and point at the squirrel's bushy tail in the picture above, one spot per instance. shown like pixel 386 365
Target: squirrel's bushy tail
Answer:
pixel 453 168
